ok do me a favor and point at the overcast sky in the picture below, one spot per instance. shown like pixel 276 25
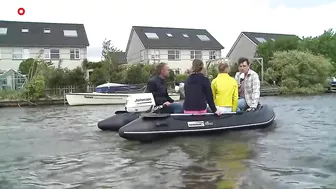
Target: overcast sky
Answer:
pixel 224 19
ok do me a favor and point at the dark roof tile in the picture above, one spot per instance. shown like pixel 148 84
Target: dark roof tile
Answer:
pixel 177 40
pixel 267 36
pixel 36 36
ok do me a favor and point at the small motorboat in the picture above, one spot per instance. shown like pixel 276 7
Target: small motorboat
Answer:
pixel 140 120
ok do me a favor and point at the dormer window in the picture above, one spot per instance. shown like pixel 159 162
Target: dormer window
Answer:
pixel 151 35
pixel 70 33
pixel 3 31
pixel 24 30
pixel 46 30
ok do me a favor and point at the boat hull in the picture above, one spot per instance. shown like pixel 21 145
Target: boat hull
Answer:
pixel 152 127
pixel 76 99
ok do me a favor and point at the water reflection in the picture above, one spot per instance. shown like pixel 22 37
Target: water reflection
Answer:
pixel 61 147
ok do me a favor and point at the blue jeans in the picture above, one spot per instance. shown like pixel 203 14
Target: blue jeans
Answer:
pixel 174 108
pixel 242 105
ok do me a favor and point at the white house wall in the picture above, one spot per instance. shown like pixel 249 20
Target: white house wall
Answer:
pixel 244 48
pixel 134 48
pixel 184 63
pixel 6 61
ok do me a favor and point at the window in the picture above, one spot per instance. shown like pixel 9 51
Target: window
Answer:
pixel 26 53
pixel 3 31
pixel 169 34
pixel 51 54
pixel 70 33
pixel 142 55
pixel 47 30
pixel 174 55
pixel 260 39
pixel 152 36
pixel 74 54
pixel 155 55
pixel 195 55
pixel 212 55
pixel 46 53
pixel 203 37
pixel 24 30
pixel 17 53
pixel 185 35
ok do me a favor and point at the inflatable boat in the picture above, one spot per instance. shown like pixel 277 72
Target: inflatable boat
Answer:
pixel 141 121
pixel 151 126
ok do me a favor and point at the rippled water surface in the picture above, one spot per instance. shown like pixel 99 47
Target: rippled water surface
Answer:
pixel 61 147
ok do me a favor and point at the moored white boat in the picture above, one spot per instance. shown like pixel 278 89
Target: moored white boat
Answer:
pixel 101 98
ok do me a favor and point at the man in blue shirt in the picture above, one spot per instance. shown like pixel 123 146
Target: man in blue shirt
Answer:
pixel 158 87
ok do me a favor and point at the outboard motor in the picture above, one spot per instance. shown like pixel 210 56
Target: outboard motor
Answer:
pixel 140 102
pixel 135 105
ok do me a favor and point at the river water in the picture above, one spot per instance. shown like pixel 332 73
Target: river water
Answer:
pixel 61 147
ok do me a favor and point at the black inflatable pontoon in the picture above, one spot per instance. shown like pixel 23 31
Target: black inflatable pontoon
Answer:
pixel 153 126
pixel 115 122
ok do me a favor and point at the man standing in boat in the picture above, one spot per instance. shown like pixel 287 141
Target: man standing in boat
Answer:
pixel 158 87
pixel 249 86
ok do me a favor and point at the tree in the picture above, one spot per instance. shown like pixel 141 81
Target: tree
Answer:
pixel 298 72
pixel 267 49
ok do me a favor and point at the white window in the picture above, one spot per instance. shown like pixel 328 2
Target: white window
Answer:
pixel 203 37
pixel 24 30
pixel 174 55
pixel 51 54
pixel 142 55
pixel 17 53
pixel 3 31
pixel 155 55
pixel 26 53
pixel 260 39
pixel 185 35
pixel 46 53
pixel 212 55
pixel 152 36
pixel 169 35
pixel 46 30
pixel 74 54
pixel 195 55
pixel 70 33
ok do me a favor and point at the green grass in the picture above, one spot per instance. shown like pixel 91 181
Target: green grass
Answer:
pixel 11 94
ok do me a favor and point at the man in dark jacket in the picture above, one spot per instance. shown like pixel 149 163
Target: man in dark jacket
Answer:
pixel 158 87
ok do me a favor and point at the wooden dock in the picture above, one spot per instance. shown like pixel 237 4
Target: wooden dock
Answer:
pixel 269 91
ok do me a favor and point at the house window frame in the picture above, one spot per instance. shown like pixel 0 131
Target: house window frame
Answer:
pixel 212 55
pixel 48 51
pixel 155 55
pixel 142 55
pixel 16 52
pixel 75 52
pixel 193 54
pixel 175 53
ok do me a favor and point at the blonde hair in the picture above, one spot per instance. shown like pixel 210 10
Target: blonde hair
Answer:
pixel 223 67
pixel 197 66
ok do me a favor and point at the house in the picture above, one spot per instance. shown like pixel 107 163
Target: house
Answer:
pixel 176 46
pixel 12 80
pixel 52 41
pixel 247 43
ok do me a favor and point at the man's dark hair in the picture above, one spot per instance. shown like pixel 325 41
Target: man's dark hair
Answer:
pixel 241 60
pixel 159 68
